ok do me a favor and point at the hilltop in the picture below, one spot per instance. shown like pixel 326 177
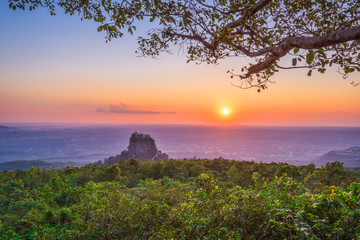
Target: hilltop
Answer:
pixel 23 164
pixel 351 156
pixel 141 147
pixel 4 128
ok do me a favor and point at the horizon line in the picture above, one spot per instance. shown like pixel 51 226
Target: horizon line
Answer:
pixel 166 124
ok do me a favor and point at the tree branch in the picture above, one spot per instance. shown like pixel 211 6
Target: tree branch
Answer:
pixel 345 35
pixel 284 47
pixel 257 7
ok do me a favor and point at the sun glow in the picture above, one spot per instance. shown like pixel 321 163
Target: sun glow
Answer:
pixel 225 111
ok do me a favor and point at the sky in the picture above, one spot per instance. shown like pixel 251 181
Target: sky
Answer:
pixel 58 69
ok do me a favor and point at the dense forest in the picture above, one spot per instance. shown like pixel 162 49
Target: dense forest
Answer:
pixel 181 199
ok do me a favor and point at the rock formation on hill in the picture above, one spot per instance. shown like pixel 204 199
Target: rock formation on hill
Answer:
pixel 141 147
pixel 350 156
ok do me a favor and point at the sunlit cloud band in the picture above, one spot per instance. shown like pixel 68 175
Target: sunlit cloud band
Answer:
pixel 125 109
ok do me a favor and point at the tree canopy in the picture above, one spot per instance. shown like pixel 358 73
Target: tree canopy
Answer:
pixel 181 199
pixel 316 34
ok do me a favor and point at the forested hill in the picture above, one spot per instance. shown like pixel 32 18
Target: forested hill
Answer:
pixel 25 164
pixel 181 199
pixel 4 128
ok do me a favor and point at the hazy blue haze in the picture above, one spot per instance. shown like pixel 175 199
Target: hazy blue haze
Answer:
pixel 294 145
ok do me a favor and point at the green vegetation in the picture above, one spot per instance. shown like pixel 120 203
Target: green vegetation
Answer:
pixel 181 199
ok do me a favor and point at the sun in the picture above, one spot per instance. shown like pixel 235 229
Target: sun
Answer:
pixel 225 111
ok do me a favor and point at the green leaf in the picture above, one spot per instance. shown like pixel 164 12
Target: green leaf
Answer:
pixel 100 28
pixel 321 52
pixel 309 73
pixel 322 70
pixel 294 61
pixel 349 69
pixel 296 50
pixel 310 57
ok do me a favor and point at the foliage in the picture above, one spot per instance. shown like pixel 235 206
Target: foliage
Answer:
pixel 315 34
pixel 203 199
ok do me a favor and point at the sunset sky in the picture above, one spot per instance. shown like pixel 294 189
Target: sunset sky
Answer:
pixel 59 69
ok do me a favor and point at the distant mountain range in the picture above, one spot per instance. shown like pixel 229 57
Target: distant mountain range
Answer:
pixel 23 164
pixel 83 145
pixel 351 156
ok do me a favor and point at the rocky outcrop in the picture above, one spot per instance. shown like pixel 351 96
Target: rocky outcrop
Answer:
pixel 141 147
pixel 350 156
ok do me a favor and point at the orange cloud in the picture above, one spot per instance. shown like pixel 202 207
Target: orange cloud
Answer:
pixel 125 109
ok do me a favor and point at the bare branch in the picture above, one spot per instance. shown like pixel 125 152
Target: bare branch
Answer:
pixel 256 7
